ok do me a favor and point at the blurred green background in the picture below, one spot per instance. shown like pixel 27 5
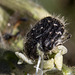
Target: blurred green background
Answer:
pixel 64 8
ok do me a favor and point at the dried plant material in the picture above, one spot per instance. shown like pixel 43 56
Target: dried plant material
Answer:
pixel 23 57
pixel 60 49
pixel 48 64
pixel 66 70
pixel 58 60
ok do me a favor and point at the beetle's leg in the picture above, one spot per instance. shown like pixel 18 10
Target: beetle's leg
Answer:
pixel 63 39
pixel 67 38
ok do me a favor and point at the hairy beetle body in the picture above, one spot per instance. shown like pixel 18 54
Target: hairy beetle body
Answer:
pixel 47 32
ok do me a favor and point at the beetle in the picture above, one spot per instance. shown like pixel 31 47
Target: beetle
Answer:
pixel 48 32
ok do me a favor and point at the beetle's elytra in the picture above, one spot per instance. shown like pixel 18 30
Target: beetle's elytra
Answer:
pixel 47 33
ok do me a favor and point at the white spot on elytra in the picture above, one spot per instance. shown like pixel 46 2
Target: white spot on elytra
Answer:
pixel 32 34
pixel 62 37
pixel 55 24
pixel 49 21
pixel 41 27
pixel 47 44
pixel 39 36
pixel 58 33
pixel 33 28
pixel 50 32
pixel 52 40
